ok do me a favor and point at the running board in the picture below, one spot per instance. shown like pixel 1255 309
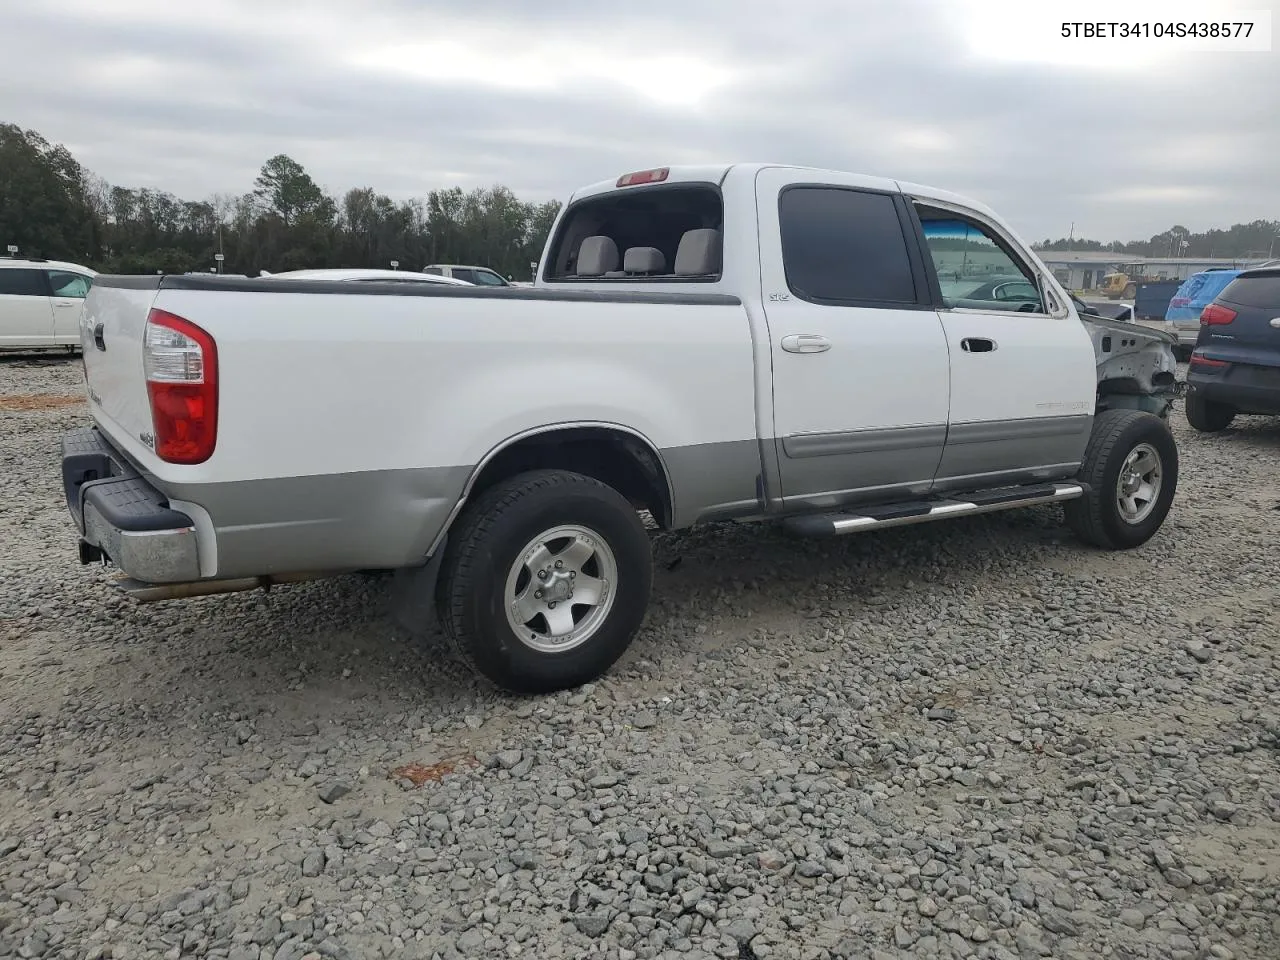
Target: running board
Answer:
pixel 922 511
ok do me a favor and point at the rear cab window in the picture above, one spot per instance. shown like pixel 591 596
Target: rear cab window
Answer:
pixel 666 233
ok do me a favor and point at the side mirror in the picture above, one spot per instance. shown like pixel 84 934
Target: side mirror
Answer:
pixel 1092 311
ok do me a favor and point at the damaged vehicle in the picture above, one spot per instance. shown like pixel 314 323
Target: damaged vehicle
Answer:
pixel 739 342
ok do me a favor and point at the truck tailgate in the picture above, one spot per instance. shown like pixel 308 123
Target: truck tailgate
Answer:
pixel 113 325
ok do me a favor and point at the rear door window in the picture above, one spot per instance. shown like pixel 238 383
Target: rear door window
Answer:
pixel 23 283
pixel 844 246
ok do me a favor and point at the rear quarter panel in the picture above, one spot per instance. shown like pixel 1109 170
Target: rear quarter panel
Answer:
pixel 314 383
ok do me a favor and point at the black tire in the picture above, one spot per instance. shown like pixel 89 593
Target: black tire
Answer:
pixel 484 547
pixel 1207 416
pixel 1096 518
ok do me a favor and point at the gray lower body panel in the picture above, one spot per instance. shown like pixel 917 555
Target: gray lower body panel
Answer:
pixel 834 469
pixel 714 480
pixel 994 452
pixel 390 519
pixel 830 469
pixel 371 519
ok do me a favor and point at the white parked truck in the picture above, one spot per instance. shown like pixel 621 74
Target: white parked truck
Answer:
pixel 746 342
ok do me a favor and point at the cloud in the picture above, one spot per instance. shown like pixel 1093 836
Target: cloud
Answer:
pixel 407 96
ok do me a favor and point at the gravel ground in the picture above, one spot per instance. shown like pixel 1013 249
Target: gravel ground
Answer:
pixel 967 739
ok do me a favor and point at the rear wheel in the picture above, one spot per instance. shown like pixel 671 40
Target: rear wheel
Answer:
pixel 1131 467
pixel 1207 416
pixel 546 581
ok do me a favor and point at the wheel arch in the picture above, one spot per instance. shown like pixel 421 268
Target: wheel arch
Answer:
pixel 617 455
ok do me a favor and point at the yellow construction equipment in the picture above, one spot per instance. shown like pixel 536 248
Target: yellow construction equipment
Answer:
pixel 1123 284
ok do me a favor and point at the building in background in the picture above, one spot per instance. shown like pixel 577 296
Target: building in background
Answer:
pixel 1084 271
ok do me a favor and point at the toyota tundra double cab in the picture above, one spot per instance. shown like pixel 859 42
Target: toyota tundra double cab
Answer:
pixel 748 342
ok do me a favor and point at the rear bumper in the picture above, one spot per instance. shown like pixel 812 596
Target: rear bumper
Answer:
pixel 123 517
pixel 1186 332
pixel 1246 387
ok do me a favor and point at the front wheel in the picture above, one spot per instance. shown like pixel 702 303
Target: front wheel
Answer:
pixel 1208 417
pixel 546 581
pixel 1131 468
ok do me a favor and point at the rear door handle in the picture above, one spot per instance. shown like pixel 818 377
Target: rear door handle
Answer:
pixel 977 345
pixel 1275 322
pixel 805 343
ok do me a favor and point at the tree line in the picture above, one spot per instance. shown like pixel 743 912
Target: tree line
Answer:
pixel 51 207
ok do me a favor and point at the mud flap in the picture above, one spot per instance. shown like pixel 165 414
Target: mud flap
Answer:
pixel 413 594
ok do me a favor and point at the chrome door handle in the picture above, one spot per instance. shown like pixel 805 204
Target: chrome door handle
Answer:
pixel 1275 322
pixel 977 345
pixel 805 343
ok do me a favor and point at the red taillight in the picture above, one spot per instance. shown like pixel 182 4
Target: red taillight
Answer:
pixel 1198 360
pixel 180 362
pixel 1215 315
pixel 643 176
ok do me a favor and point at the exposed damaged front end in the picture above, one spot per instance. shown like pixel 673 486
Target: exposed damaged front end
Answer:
pixel 1137 366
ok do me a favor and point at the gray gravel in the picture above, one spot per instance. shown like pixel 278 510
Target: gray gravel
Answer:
pixel 973 739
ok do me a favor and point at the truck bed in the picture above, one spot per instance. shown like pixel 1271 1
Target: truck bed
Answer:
pixel 327 448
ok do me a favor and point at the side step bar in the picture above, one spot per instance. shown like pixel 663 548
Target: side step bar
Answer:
pixel 886 515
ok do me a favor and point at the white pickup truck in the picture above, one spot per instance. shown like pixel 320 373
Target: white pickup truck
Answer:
pixel 738 342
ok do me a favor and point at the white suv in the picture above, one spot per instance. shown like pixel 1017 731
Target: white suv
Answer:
pixel 40 303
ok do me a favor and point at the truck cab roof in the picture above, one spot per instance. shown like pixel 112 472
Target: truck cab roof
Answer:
pixel 718 173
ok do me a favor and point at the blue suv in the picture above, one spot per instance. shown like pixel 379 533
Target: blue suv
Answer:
pixel 1196 293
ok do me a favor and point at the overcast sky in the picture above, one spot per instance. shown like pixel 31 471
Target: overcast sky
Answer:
pixel 546 95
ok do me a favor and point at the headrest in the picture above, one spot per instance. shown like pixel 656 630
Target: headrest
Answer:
pixel 597 256
pixel 644 260
pixel 699 253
